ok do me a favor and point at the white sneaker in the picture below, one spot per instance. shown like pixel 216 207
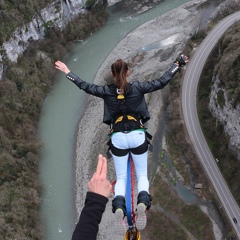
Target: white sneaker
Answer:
pixel 120 224
pixel 141 218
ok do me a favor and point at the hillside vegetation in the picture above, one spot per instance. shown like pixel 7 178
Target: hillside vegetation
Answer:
pixel 22 91
pixel 224 61
pixel 16 13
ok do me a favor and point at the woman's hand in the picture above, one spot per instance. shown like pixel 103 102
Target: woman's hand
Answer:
pixel 62 67
pixel 181 60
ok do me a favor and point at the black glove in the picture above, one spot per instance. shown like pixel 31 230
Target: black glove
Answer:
pixel 181 60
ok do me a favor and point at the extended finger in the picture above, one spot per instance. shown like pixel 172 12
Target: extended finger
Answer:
pixel 100 165
pixel 104 167
pixel 57 64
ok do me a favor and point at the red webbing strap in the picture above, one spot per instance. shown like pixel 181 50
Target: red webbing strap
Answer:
pixel 113 185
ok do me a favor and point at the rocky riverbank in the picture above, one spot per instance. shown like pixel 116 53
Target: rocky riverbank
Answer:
pixel 149 50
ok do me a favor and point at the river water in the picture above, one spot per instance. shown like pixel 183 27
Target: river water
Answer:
pixel 62 110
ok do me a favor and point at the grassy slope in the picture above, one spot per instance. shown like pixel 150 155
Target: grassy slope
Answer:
pixel 22 91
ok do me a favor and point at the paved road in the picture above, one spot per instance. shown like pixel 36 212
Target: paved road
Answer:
pixel 190 83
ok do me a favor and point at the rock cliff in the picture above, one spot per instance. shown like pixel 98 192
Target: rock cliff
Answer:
pixel 227 109
pixel 56 14
pixel 225 113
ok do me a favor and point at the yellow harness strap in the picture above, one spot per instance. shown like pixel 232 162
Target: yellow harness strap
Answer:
pixel 120 96
pixel 129 118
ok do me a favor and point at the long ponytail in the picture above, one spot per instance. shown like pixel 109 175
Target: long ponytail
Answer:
pixel 119 70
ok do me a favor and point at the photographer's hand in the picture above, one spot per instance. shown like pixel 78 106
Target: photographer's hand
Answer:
pixel 99 183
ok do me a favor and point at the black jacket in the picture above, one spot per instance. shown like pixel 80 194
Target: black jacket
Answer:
pixel 135 101
pixel 91 216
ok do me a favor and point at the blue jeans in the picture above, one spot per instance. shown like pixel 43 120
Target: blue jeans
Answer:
pixel 129 140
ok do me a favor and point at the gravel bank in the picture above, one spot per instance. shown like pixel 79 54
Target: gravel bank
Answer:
pixel 150 50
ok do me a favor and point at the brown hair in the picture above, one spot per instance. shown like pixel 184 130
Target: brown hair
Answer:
pixel 119 71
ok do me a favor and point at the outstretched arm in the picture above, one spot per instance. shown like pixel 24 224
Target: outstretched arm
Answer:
pixel 89 88
pixel 62 67
pixel 160 83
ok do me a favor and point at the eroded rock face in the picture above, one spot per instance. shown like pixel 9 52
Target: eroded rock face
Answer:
pixel 225 5
pixel 112 2
pixel 225 113
pixel 135 7
pixel 56 14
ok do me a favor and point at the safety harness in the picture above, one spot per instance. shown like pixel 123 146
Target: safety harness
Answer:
pixel 126 122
